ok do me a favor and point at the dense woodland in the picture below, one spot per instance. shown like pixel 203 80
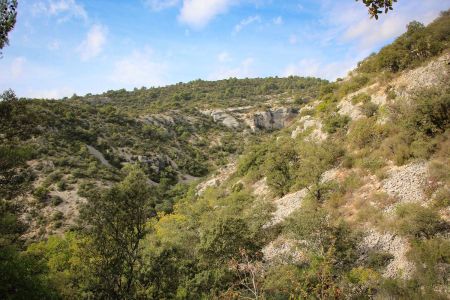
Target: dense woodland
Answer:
pixel 146 233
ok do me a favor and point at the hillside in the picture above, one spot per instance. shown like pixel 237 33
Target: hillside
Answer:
pixel 276 188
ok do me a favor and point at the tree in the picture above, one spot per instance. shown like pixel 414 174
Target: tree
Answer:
pixel 115 222
pixel 376 7
pixel 314 160
pixel 8 13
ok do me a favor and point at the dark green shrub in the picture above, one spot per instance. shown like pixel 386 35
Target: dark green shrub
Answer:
pixel 365 132
pixel 41 193
pixel 57 216
pixel 369 109
pixel 56 200
pixel 334 122
pixel 431 258
pixel 61 185
pixel 379 259
pixel 417 221
pixel 361 97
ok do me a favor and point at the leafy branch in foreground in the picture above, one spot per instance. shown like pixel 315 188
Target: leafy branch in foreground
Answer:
pixel 8 14
pixel 376 7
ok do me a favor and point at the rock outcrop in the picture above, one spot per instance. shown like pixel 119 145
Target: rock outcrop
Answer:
pixel 307 122
pixel 283 251
pixel 346 108
pixel 272 119
pixel 435 73
pixel 399 266
pixel 287 205
pixel 224 118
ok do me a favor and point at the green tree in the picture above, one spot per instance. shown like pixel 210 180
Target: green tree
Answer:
pixel 115 222
pixel 281 167
pixel 8 13
pixel 314 160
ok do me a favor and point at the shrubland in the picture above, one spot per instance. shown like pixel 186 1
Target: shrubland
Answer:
pixel 147 232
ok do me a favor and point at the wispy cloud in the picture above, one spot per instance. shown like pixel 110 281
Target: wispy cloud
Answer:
pixel 198 13
pixel 157 5
pixel 355 26
pixel 246 22
pixel 278 20
pixel 317 67
pixel 93 44
pixel 224 57
pixel 140 68
pixel 244 69
pixel 63 9
pixel 55 93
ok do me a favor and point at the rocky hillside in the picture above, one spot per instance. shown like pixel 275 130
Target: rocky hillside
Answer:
pixel 275 188
pixel 79 144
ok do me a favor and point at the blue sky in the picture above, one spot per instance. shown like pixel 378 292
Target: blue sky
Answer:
pixel 61 47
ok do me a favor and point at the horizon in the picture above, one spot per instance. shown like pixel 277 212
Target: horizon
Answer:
pixel 64 47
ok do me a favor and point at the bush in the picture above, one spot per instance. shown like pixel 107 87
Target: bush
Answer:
pixel 361 97
pixel 334 122
pixel 417 221
pixel 364 132
pixel 430 256
pixel 56 200
pixel 57 216
pixel 379 259
pixel 41 193
pixel 353 84
pixel 369 109
pixel 428 113
pixel 61 185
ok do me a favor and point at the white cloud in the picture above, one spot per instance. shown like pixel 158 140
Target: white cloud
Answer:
pixel 224 57
pixel 318 68
pixel 158 5
pixel 243 70
pixel 245 22
pixel 56 93
pixel 18 67
pixel 138 69
pixel 93 44
pixel 355 25
pixel 198 13
pixel 278 20
pixel 64 8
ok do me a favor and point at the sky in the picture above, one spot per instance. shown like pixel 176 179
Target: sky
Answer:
pixel 62 47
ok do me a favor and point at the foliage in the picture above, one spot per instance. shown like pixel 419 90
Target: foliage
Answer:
pixel 8 9
pixel 417 221
pixel 413 47
pixel 116 220
pixel 365 132
pixel 376 7
pixel 281 168
pixel 431 258
pixel 334 122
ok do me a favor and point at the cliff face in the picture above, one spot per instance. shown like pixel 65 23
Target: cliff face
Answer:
pixel 249 117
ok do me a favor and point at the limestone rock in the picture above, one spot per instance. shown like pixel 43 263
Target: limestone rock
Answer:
pixel 283 251
pixel 306 122
pixel 407 182
pixel 395 245
pixel 287 205
pixel 346 108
